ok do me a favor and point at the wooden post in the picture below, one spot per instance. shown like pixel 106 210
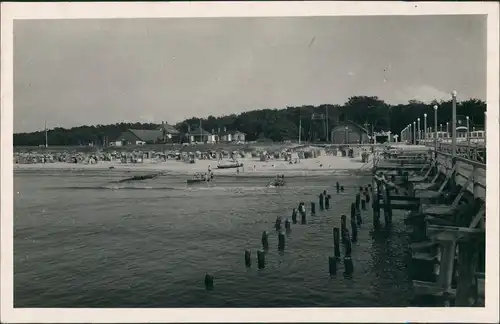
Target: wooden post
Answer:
pixel 336 242
pixel 376 206
pixel 337 185
pixel 281 241
pixel 277 224
pixel 388 207
pixel 467 263
pixel 446 265
pixel 209 282
pixel 348 248
pixel 358 201
pixel 294 216
pixel 321 198
pixel 248 260
pixel 332 265
pixel 343 228
pixel 265 241
pixel 313 208
pixel 354 228
pixel 261 259
pixel 348 265
pixel 327 201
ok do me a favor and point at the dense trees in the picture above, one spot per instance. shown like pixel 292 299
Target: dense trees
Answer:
pixel 278 125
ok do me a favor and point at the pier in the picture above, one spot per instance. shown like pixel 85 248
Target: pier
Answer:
pixel 442 188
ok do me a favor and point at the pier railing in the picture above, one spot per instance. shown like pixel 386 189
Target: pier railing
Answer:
pixel 471 151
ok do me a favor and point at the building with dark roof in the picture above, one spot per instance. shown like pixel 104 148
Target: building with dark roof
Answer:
pixel 348 132
pixel 164 134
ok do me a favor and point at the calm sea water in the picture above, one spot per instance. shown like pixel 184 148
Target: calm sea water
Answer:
pixel 81 241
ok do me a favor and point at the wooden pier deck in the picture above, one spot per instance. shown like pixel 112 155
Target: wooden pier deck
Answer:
pixel 445 198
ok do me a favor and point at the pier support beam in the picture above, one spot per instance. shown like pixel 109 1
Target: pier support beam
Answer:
pixel 467 283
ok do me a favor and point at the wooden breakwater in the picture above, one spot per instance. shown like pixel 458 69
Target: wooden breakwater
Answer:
pixel 444 197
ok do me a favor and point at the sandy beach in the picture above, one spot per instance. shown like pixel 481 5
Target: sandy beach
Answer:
pixel 252 166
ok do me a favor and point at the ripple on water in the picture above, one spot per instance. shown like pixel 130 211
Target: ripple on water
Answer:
pixel 127 247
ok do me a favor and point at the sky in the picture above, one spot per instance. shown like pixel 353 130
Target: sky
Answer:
pixel 103 71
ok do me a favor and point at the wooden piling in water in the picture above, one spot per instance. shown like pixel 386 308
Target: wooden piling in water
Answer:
pixel 327 202
pixel 387 206
pixel 332 265
pixel 467 282
pixel 358 200
pixel 261 259
pixel 336 242
pixel 287 224
pixel 302 211
pixel 313 208
pixel 343 228
pixel 321 201
pixel 248 260
pixel 354 228
pixel 337 185
pixel 265 241
pixel 209 282
pixel 277 223
pixel 348 248
pixel 348 266
pixel 281 241
pixel 376 208
pixel 294 216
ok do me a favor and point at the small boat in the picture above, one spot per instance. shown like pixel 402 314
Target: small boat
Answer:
pixel 276 183
pixel 194 181
pixel 230 166
pixel 142 177
pixel 199 178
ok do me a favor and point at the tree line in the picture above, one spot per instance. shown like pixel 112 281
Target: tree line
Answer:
pixel 279 124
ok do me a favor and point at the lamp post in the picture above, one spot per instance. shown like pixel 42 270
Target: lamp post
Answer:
pixel 454 126
pixel 468 136
pixel 418 130
pixel 425 127
pixel 435 130
pixel 440 127
pixel 414 133
pixel 448 127
pixel 345 134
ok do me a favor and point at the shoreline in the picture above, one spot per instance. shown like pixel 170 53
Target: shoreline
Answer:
pixel 252 167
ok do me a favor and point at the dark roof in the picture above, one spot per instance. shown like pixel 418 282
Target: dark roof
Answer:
pixel 343 123
pixel 147 135
pixel 358 126
pixel 169 129
pixel 197 132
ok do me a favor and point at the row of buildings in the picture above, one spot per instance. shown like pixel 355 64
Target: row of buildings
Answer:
pixel 345 132
pixel 169 134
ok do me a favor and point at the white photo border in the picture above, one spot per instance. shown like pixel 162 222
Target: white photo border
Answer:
pixel 66 10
